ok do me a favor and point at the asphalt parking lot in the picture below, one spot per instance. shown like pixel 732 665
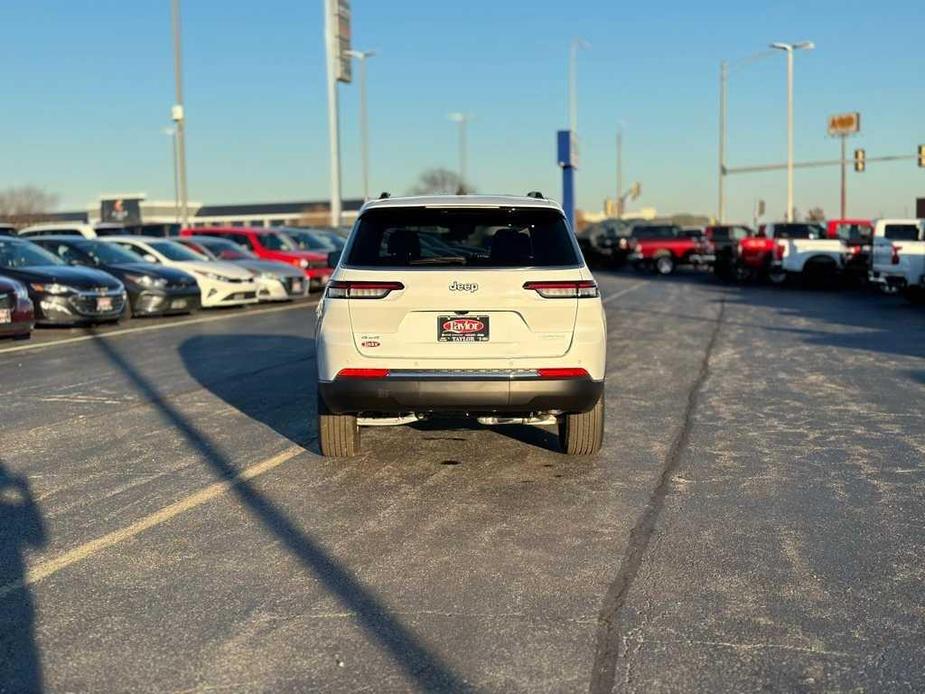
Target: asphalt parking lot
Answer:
pixel 756 520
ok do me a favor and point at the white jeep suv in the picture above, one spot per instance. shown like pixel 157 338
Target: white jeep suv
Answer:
pixel 479 306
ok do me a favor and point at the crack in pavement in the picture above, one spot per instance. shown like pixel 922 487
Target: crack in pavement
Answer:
pixel 610 632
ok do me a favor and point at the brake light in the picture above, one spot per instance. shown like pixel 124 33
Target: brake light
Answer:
pixel 348 289
pixel 894 254
pixel 779 251
pixel 363 373
pixel 569 289
pixel 562 373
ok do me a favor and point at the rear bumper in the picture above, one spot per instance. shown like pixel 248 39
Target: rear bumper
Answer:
pixel 460 395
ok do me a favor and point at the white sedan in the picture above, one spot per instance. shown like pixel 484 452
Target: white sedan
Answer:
pixel 221 283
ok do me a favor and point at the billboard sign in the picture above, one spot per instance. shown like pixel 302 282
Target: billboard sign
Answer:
pixel 340 22
pixel 121 210
pixel 844 124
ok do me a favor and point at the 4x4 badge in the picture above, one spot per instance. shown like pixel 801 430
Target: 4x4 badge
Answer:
pixel 464 286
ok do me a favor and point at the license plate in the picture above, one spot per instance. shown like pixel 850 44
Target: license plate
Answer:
pixel 104 303
pixel 297 286
pixel 462 328
pixel 6 315
pixel 178 303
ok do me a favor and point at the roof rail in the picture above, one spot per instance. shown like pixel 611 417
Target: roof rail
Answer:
pixel 384 195
pixel 536 194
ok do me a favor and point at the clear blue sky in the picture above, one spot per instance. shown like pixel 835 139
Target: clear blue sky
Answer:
pixel 87 87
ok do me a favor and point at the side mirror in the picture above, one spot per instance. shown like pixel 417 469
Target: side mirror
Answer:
pixel 334 258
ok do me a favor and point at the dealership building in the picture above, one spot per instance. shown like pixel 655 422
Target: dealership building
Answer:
pixel 136 208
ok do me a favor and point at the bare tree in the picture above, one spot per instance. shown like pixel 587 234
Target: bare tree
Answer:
pixel 26 204
pixel 441 182
pixel 816 214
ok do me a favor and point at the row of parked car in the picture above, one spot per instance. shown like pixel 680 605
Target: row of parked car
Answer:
pixel 887 253
pixel 79 274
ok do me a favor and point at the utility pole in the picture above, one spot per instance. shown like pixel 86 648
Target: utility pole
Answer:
pixel 844 177
pixel 364 117
pixel 619 173
pixel 462 120
pixel 178 115
pixel 723 86
pixel 572 82
pixel 330 10
pixel 172 132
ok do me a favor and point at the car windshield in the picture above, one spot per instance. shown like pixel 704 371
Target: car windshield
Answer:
pixel 224 248
pixel 277 242
pixel 798 231
pixel 902 232
pixel 481 238
pixel 15 253
pixel 109 253
pixel 852 232
pixel 310 241
pixel 174 251
pixel 654 232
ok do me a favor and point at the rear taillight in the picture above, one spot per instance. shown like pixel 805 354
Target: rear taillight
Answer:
pixel 348 289
pixel 569 289
pixel 562 373
pixel 779 251
pixel 363 373
pixel 894 254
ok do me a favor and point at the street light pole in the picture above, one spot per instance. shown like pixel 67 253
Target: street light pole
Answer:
pixel 364 117
pixel 462 120
pixel 333 110
pixel 572 80
pixel 790 48
pixel 723 86
pixel 172 132
pixel 619 173
pixel 178 115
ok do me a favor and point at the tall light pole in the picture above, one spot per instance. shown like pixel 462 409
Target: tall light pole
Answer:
pixel 572 80
pixel 172 133
pixel 337 47
pixel 790 48
pixel 178 115
pixel 723 94
pixel 619 172
pixel 462 120
pixel 364 118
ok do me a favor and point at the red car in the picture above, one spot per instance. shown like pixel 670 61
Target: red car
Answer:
pixel 17 315
pixel 662 247
pixel 270 244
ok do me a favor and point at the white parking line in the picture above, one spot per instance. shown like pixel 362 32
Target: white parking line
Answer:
pixel 149 328
pixel 623 292
pixel 88 549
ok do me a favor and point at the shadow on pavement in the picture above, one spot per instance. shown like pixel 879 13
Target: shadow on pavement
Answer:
pixel 524 433
pixel 423 667
pixel 21 526
pixel 875 323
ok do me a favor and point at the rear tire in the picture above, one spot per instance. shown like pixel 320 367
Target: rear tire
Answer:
pixel 338 434
pixel 664 264
pixel 582 433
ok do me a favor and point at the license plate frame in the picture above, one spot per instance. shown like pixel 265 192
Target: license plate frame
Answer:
pixel 462 328
pixel 178 303
pixel 103 304
pixel 6 316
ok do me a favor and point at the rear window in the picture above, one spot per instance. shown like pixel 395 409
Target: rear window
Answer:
pixel 654 232
pixel 853 232
pixel 798 231
pixel 901 232
pixel 479 238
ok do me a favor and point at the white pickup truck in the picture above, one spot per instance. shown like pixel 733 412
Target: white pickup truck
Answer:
pixel 802 250
pixel 898 257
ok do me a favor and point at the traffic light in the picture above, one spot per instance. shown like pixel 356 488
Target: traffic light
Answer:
pixel 859 160
pixel 922 156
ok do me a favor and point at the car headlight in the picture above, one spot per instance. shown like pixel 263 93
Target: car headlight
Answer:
pixel 212 276
pixel 147 281
pixel 53 288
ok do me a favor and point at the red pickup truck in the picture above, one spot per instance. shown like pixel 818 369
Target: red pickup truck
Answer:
pixel 661 247
pixel 269 244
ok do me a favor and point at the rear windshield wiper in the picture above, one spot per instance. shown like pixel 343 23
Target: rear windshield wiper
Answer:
pixel 439 260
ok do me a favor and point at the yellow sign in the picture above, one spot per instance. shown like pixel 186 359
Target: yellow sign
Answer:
pixel 845 124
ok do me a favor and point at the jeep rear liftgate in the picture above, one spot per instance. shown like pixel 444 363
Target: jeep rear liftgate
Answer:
pixel 458 314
